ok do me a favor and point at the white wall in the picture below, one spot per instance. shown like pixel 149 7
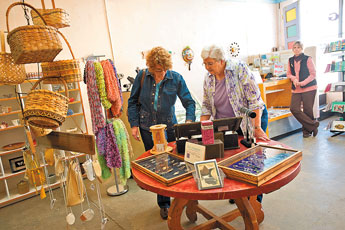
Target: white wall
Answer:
pixel 139 25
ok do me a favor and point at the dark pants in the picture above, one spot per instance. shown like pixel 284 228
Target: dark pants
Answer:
pixel 163 201
pixel 305 117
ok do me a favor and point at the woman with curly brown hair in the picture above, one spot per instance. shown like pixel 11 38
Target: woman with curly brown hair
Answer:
pixel 152 102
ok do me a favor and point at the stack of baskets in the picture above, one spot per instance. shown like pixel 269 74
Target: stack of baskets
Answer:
pixel 32 43
pixel 40 43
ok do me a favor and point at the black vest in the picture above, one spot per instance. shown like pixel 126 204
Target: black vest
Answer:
pixel 303 72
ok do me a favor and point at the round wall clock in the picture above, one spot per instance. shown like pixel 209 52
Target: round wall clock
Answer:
pixel 234 49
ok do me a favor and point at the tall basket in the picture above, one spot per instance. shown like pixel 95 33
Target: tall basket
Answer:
pixel 10 73
pixel 55 17
pixel 45 108
pixel 69 70
pixel 32 43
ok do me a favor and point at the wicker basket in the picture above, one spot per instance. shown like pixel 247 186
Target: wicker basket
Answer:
pixel 10 73
pixel 55 17
pixel 32 43
pixel 69 70
pixel 45 108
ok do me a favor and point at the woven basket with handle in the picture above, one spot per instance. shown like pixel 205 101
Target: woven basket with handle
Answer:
pixel 32 43
pixel 10 73
pixel 45 108
pixel 55 17
pixel 69 70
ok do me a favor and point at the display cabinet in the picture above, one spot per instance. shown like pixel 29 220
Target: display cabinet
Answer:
pixel 12 131
pixel 277 95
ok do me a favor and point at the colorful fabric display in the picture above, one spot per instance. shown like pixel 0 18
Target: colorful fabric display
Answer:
pixel 101 139
pixel 118 80
pixel 122 143
pixel 106 172
pixel 107 146
pixel 101 85
pixel 93 96
pixel 112 154
pixel 112 88
pixel 130 149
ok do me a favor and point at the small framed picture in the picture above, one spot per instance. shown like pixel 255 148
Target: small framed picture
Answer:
pixel 17 164
pixel 208 175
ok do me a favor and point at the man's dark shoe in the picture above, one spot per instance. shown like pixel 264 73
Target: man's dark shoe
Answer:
pixel 164 213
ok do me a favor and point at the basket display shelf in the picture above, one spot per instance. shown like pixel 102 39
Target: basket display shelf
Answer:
pixel 8 191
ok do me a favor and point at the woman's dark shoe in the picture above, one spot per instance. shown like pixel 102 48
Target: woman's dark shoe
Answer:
pixel 306 135
pixel 164 213
pixel 315 131
pixel 231 201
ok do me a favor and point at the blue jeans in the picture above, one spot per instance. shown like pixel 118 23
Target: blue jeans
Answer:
pixel 163 201
pixel 264 119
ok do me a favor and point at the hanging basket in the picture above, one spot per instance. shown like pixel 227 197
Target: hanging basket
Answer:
pixel 10 73
pixel 69 70
pixel 45 108
pixel 55 17
pixel 32 43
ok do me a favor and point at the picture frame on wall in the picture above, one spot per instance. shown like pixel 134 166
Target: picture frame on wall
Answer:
pixel 207 174
pixel 17 164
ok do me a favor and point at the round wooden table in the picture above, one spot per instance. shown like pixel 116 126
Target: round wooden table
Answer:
pixel 186 194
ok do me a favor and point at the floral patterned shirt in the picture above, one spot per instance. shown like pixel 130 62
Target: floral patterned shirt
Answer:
pixel 242 91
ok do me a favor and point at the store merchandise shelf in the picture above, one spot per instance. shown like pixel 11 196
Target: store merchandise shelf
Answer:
pixel 32 192
pixel 9 175
pixel 2 153
pixel 10 113
pixel 74 102
pixel 274 91
pixel 12 127
pixel 76 114
pixel 8 99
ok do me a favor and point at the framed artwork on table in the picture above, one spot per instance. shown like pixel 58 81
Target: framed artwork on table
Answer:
pixel 259 164
pixel 208 176
pixel 166 168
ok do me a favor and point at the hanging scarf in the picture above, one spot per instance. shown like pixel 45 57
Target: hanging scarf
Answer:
pixel 101 85
pixel 121 140
pixel 93 96
pixel 106 173
pixel 112 154
pixel 112 89
pixel 101 140
pixel 118 80
pixel 299 57
pixel 130 149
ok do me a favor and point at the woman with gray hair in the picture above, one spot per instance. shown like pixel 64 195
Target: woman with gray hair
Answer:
pixel 229 86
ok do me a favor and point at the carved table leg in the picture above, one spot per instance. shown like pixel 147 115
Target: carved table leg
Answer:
pixel 175 212
pixel 191 210
pixel 251 212
pixel 259 212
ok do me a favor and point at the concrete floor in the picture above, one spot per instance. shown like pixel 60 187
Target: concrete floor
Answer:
pixel 315 199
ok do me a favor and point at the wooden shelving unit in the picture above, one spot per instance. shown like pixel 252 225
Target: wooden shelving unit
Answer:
pixel 12 134
pixel 277 95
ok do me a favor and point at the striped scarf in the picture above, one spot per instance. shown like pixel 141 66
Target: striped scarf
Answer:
pixel 98 121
